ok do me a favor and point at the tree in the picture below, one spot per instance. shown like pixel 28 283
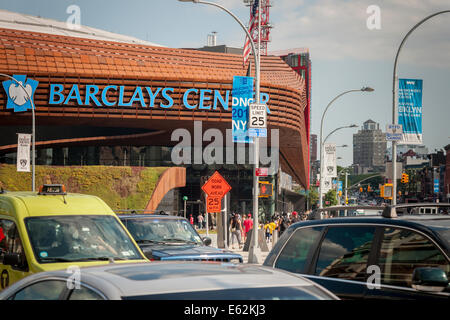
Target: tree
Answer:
pixel 312 197
pixel 331 197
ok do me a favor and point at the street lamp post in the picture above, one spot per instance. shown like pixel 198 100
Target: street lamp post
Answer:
pixel 395 101
pixel 253 248
pixel 321 157
pixel 364 89
pixel 33 134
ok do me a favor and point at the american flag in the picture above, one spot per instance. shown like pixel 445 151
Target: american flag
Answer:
pixel 252 26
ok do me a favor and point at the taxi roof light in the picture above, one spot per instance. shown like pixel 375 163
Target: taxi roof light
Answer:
pixel 52 189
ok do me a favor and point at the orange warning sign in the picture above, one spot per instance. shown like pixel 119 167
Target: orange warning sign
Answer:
pixel 216 186
pixel 213 204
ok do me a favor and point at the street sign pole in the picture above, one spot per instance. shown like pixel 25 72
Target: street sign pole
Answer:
pixel 254 250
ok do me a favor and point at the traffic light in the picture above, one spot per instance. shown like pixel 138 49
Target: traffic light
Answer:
pixel 405 178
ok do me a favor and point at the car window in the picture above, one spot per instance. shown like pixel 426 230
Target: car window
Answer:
pixel 43 290
pixel 79 238
pixel 344 252
pixel 84 293
pixel 294 255
pixel 404 250
pixel 10 242
pixel 162 230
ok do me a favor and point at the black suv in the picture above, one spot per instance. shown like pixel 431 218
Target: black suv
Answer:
pixel 400 254
pixel 164 237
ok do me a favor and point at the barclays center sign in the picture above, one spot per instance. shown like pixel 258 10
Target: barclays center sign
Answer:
pixel 114 96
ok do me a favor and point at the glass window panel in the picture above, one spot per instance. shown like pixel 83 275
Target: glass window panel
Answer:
pixel 344 252
pixel 404 250
pixel 44 290
pixel 295 253
pixel 84 293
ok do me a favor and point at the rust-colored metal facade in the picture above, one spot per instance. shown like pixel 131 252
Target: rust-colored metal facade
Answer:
pixel 69 60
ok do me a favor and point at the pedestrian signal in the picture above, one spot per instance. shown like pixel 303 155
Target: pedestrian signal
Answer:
pixel 265 189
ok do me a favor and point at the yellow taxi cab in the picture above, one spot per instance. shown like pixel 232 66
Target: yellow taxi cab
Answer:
pixel 54 230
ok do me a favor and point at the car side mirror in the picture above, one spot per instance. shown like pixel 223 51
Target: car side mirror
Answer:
pixel 12 259
pixel 207 241
pixel 429 279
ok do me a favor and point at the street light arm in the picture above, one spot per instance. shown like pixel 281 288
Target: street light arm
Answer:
pixel 246 32
pixel 344 127
pixel 355 184
pixel 368 89
pixel 394 101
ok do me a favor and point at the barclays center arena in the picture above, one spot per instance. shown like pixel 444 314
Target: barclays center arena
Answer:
pixel 108 99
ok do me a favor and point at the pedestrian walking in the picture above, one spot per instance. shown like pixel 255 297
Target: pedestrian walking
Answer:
pixel 236 231
pixel 200 220
pixel 248 225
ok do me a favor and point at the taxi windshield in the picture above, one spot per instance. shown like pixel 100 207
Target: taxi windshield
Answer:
pixel 162 231
pixel 79 238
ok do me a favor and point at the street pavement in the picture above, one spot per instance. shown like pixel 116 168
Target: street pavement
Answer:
pixel 261 256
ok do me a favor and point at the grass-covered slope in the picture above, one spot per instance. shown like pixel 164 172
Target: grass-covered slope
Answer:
pixel 119 187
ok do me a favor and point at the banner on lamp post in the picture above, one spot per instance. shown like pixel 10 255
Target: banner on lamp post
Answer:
pixel 23 152
pixel 329 160
pixel 242 97
pixel 410 110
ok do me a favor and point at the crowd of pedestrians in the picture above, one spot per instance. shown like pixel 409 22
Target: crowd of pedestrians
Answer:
pixel 240 225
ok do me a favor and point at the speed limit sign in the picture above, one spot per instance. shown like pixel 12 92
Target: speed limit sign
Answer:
pixel 257 116
pixel 257 120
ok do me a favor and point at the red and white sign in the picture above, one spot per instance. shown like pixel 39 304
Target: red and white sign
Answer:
pixel 262 172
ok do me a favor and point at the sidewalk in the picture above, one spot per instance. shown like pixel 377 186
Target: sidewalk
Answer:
pixel 261 256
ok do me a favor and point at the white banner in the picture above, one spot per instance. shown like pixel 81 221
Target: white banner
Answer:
pixel 23 152
pixel 329 160
pixel 327 184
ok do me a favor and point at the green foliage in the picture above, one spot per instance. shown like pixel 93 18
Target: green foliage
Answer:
pixel 119 187
pixel 313 197
pixel 331 197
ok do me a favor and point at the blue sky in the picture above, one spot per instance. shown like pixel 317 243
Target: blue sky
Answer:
pixel 345 53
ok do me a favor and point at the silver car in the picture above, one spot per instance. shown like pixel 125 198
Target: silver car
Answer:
pixel 167 281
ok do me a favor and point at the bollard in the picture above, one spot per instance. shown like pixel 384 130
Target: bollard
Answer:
pixel 274 237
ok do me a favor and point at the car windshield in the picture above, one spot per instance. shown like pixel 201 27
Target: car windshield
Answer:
pixel 162 231
pixel 79 238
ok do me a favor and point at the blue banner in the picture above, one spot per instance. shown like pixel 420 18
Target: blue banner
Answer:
pixel 242 96
pixel 410 110
pixel 436 185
